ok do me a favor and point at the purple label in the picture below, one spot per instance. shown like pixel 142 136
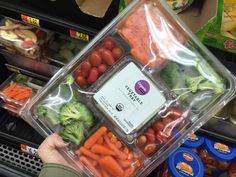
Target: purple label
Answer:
pixel 142 87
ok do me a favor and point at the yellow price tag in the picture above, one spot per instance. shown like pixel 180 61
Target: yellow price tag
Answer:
pixel 30 20
pixel 79 35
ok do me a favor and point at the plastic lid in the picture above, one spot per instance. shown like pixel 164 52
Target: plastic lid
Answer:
pixel 219 150
pixel 193 141
pixel 184 162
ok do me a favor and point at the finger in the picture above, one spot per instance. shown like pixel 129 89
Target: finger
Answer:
pixel 55 141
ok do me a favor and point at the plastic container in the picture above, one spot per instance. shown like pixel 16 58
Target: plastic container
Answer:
pixel 16 91
pixel 25 63
pixel 184 162
pixel 133 96
pixel 233 112
pixel 232 171
pixel 179 5
pixel 216 157
pixel 24 39
pixel 61 49
pixel 193 142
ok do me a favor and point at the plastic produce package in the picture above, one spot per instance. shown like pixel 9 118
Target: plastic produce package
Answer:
pixel 17 90
pixel 62 49
pixel 24 39
pixel 133 94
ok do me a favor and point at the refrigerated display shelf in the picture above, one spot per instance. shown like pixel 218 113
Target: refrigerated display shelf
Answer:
pixel 26 72
pixel 42 13
pixel 216 128
pixel 19 164
pixel 15 132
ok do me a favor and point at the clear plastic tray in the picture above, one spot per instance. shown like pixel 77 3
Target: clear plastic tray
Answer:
pixel 62 49
pixel 13 89
pixel 160 85
pixel 21 38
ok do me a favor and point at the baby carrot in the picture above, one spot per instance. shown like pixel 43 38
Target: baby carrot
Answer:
pixel 90 166
pixel 94 137
pixel 100 140
pixel 119 154
pixel 88 153
pixel 110 165
pixel 100 149
pixel 104 173
pixel 129 172
pixel 124 163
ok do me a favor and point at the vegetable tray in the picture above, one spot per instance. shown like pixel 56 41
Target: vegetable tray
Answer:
pixel 133 94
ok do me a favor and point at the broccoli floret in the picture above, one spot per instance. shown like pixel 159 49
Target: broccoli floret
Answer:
pixel 75 111
pixel 193 82
pixel 87 117
pixel 21 78
pixel 208 85
pixel 46 112
pixel 201 83
pixel 73 132
pixel 69 79
pixel 42 110
pixel 170 73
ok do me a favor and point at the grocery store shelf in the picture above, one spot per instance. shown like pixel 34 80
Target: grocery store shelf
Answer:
pixel 15 163
pixel 15 132
pixel 26 72
pixel 15 9
pixel 220 130
pixel 217 128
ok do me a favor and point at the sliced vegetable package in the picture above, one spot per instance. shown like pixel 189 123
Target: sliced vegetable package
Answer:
pixel 62 49
pixel 18 37
pixel 133 94
pixel 17 90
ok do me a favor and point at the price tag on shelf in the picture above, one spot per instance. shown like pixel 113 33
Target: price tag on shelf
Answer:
pixel 29 150
pixel 13 69
pixel 31 20
pixel 79 35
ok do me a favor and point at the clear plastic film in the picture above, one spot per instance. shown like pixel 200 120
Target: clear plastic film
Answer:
pixel 21 38
pixel 132 95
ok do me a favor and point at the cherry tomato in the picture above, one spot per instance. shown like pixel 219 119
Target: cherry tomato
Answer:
pixel 174 113
pixel 167 132
pixel 107 57
pixel 85 74
pixel 150 135
pixel 142 140
pixel 158 125
pixel 117 52
pixel 95 59
pixel 162 139
pixel 149 149
pixel 81 81
pixel 93 75
pixel 77 73
pixel 100 50
pixel 102 68
pixel 85 66
pixel 109 43
pixel 166 121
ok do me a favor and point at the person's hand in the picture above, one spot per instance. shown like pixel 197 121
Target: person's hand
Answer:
pixel 48 150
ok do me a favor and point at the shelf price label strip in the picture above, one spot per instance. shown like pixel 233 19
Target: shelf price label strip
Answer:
pixel 29 150
pixel 79 35
pixel 31 20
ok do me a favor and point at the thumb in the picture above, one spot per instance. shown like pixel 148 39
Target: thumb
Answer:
pixel 55 141
pixel 58 142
